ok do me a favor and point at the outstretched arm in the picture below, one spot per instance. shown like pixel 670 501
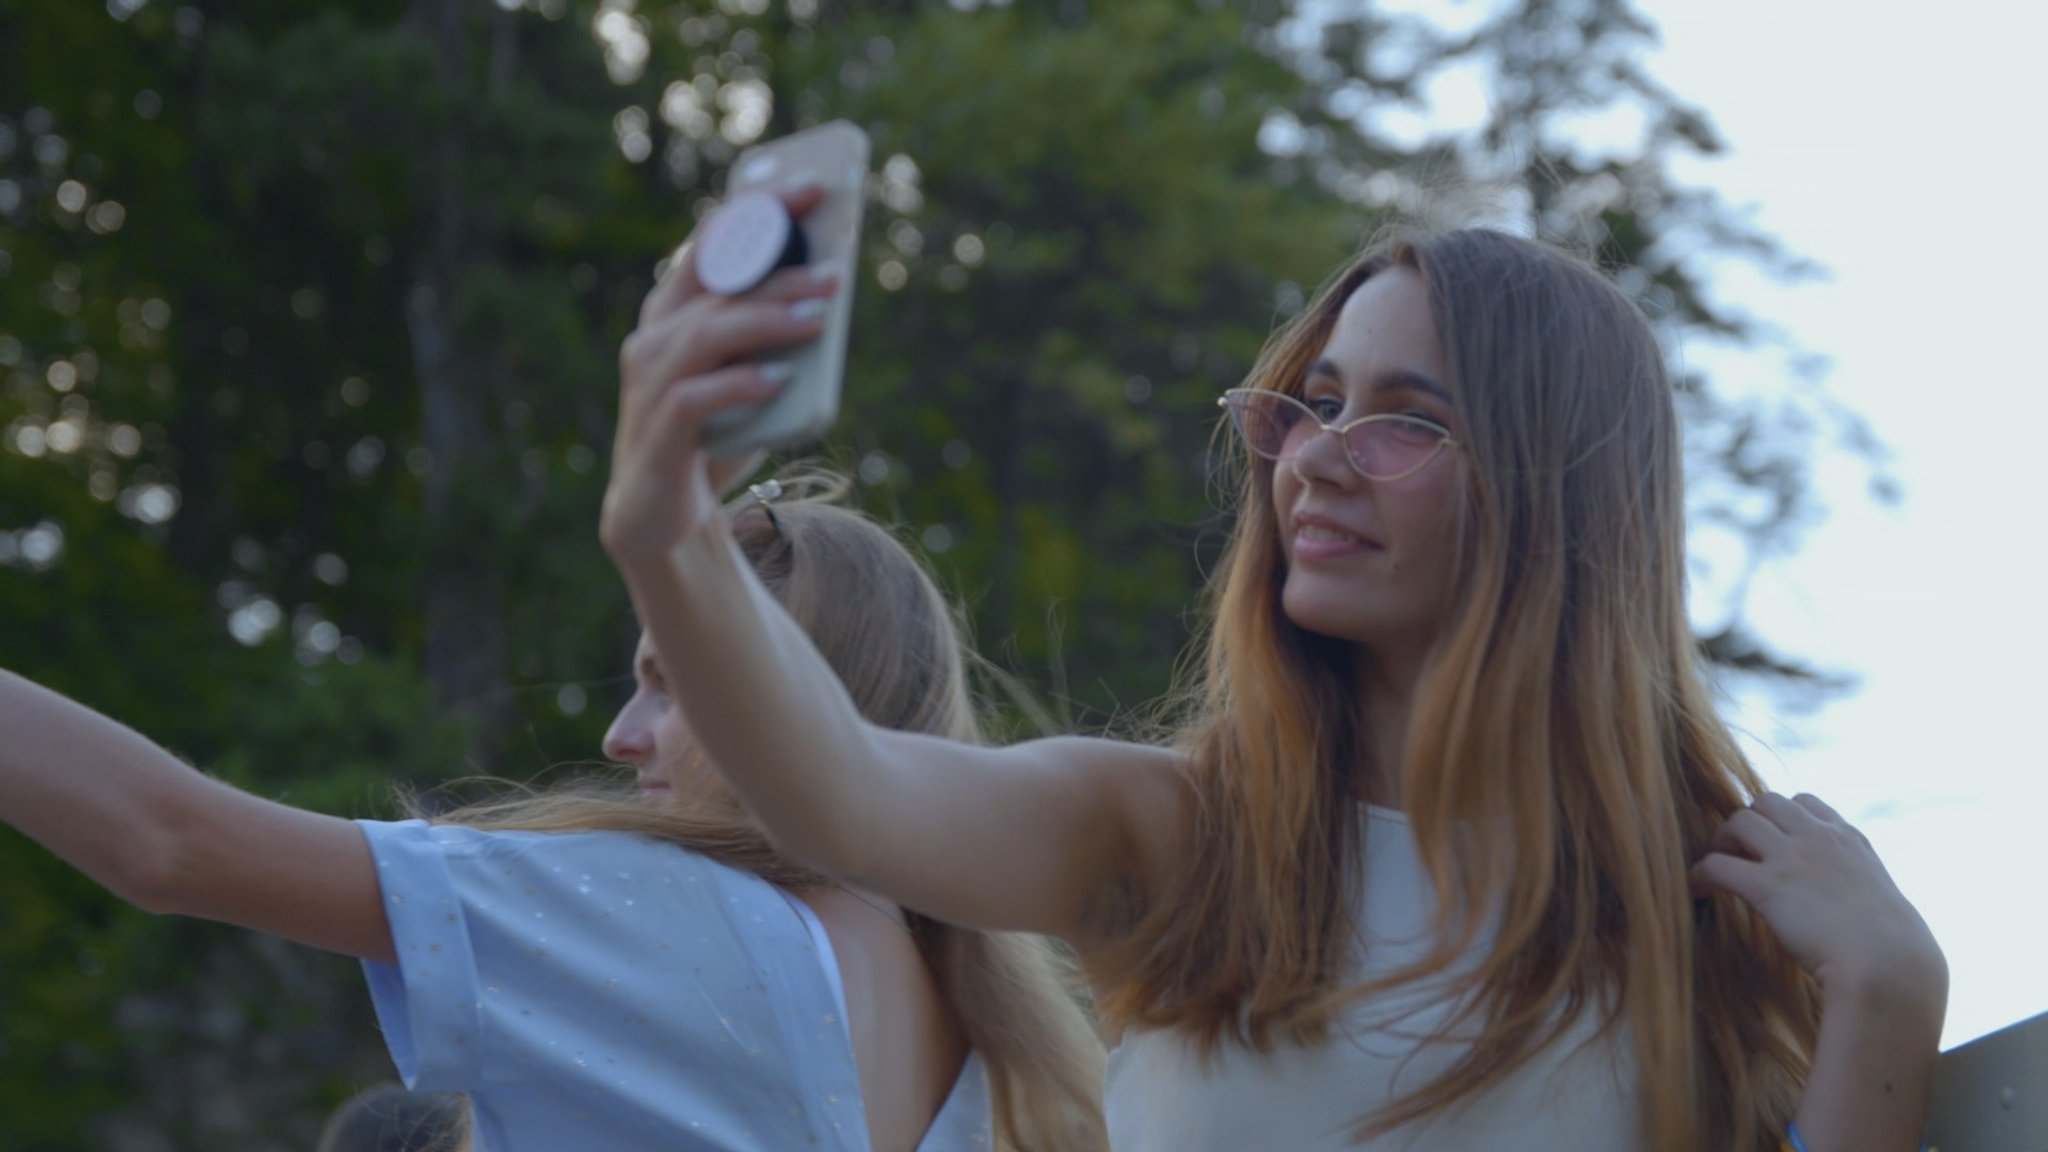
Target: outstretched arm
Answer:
pixel 1050 837
pixel 167 838
pixel 1884 982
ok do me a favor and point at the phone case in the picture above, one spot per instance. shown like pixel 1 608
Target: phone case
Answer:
pixel 834 155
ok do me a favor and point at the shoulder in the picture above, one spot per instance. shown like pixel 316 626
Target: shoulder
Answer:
pixel 464 840
pixel 410 852
pixel 571 898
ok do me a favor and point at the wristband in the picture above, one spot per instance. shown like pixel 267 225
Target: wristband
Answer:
pixel 1792 1142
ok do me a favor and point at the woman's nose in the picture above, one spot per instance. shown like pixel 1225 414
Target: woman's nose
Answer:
pixel 1323 457
pixel 627 740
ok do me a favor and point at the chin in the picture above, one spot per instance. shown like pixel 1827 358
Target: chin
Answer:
pixel 1326 612
pixel 1345 616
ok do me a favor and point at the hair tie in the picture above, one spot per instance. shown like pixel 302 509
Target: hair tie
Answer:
pixel 765 494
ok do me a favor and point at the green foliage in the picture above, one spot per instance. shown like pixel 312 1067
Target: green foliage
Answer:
pixel 1554 67
pixel 1089 251
pixel 307 319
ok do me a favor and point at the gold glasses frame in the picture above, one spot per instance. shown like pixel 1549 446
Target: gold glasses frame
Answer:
pixel 1236 401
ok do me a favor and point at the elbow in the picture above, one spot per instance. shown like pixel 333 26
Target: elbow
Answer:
pixel 152 867
pixel 147 876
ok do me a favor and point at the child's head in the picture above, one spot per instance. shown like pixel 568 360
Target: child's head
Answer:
pixel 389 1118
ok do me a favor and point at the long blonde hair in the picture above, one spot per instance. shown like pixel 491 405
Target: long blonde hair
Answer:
pixel 894 641
pixel 1564 702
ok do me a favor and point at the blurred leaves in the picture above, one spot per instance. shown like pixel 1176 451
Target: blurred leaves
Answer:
pixel 307 317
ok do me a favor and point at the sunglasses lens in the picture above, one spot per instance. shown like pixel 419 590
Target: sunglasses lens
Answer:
pixel 1392 447
pixel 1269 422
pixel 1276 426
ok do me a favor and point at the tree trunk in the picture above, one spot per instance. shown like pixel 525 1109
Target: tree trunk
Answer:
pixel 462 593
pixel 1007 481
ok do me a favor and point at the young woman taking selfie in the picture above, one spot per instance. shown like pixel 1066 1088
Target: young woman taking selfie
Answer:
pixel 1452 850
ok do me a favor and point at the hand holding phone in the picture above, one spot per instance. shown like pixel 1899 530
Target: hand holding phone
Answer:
pixel 752 235
pixel 693 359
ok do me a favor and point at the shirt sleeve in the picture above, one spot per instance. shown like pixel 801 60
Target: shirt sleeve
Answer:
pixel 565 979
pixel 427 1003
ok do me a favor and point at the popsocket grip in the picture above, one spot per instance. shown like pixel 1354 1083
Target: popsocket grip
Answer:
pixel 746 239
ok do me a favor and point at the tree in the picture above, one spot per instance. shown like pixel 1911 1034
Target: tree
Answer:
pixel 1577 145
pixel 307 319
pixel 221 503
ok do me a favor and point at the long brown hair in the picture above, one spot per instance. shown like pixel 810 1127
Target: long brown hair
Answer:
pixel 1563 702
pixel 895 642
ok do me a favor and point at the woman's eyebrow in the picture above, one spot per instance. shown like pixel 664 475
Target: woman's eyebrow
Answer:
pixel 1392 380
pixel 1413 382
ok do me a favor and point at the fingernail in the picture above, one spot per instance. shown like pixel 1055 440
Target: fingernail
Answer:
pixel 809 308
pixel 826 271
pixel 776 372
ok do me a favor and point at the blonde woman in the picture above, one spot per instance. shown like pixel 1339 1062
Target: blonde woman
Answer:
pixel 1452 851
pixel 631 966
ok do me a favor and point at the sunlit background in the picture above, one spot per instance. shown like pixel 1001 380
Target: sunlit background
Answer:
pixel 306 320
pixel 1900 156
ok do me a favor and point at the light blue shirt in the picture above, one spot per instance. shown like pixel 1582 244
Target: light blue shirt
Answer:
pixel 603 990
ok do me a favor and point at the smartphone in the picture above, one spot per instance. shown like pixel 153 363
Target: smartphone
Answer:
pixel 834 155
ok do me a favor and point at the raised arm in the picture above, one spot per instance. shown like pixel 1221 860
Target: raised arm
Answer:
pixel 1037 837
pixel 1055 836
pixel 169 839
pixel 1884 982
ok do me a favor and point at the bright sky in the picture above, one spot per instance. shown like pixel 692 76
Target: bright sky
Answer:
pixel 1901 152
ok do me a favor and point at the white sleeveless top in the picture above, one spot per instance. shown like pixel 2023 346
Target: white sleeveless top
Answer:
pixel 1575 1096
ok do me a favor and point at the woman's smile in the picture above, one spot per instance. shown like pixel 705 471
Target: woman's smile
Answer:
pixel 1316 538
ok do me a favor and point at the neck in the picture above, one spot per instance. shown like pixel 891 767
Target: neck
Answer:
pixel 1386 698
pixel 887 908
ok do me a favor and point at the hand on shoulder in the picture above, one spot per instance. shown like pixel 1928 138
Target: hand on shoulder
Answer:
pixel 1819 884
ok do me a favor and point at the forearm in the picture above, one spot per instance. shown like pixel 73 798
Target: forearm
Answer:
pixel 92 791
pixel 764 705
pixel 1873 1067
